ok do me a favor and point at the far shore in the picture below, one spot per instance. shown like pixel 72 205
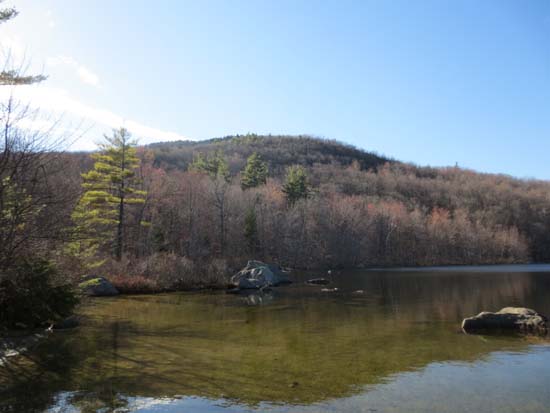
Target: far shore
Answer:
pixel 535 267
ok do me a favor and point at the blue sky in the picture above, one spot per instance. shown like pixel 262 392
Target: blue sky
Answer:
pixel 432 82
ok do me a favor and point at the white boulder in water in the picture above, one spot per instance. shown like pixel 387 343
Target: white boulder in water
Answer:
pixel 257 274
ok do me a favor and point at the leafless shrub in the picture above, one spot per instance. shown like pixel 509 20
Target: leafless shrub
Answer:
pixel 166 272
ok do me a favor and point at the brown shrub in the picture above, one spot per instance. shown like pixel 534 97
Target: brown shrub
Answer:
pixel 166 272
pixel 135 284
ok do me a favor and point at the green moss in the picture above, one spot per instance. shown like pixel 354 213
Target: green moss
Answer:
pixel 89 283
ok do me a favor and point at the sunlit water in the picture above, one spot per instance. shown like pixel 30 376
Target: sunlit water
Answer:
pixel 395 347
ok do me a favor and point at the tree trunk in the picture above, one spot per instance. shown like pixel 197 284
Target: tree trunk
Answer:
pixel 120 227
pixel 222 228
pixel 120 235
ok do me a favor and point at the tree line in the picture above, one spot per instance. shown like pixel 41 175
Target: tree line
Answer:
pixel 319 216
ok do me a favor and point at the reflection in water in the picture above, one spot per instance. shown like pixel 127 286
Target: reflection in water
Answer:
pixel 254 297
pixel 299 347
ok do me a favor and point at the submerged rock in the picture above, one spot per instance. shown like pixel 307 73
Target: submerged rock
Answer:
pixel 98 287
pixel 318 281
pixel 69 322
pixel 513 319
pixel 257 275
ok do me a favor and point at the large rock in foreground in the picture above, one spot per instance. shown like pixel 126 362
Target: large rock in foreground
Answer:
pixel 257 274
pixel 98 287
pixel 509 319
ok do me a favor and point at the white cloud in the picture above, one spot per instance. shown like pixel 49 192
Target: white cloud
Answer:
pixel 59 101
pixel 12 48
pixel 50 20
pixel 85 74
pixel 88 76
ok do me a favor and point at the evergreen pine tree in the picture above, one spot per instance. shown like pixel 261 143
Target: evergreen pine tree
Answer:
pixel 110 186
pixel 7 14
pixel 255 172
pixel 214 166
pixel 296 184
pixel 13 77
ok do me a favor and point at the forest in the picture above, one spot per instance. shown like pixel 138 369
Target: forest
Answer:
pixel 299 201
pixel 181 215
pixel 356 209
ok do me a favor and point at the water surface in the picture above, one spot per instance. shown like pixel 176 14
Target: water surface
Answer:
pixel 394 347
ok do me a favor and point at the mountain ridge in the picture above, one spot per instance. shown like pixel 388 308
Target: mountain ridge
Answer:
pixel 279 151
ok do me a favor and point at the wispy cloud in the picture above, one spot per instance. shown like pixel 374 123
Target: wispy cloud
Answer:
pixel 12 48
pixel 50 20
pixel 59 101
pixel 84 73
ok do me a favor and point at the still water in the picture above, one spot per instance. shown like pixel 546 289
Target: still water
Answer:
pixel 394 347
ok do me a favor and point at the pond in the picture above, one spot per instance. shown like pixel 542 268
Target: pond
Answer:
pixel 394 346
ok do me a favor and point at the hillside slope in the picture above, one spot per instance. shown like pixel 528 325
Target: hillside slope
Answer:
pixel 453 204
pixel 278 151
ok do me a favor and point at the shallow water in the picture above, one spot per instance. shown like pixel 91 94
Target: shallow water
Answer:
pixel 395 347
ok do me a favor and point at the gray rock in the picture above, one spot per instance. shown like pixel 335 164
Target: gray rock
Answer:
pixel 257 275
pixel 98 287
pixel 513 319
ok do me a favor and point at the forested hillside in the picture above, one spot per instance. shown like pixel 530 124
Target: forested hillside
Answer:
pixel 365 209
pixel 278 151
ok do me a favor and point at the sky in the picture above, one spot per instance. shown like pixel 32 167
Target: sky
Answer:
pixel 436 83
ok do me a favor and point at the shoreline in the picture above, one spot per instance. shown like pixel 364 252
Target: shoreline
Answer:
pixel 507 268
